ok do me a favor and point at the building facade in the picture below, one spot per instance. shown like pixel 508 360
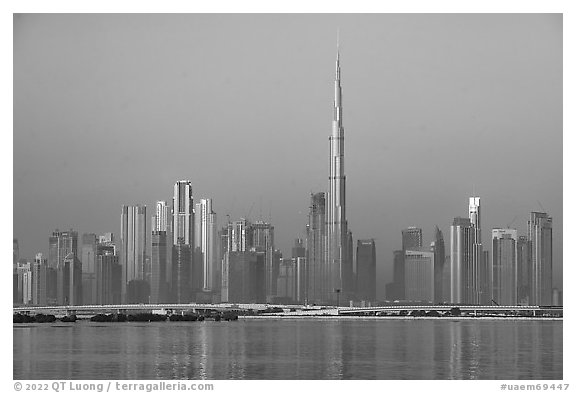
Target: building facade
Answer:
pixel 319 279
pixel 540 237
pixel 505 266
pixel 419 275
pixel 366 270
pixel 133 253
pixel 207 242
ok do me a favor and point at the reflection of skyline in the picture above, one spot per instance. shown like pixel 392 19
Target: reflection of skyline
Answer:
pixel 293 349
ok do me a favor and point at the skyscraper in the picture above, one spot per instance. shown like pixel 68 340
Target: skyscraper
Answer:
pixel 524 258
pixel 319 280
pixel 461 240
pixel 39 280
pixel 479 279
pixel 108 276
pixel 159 288
pixel 540 236
pixel 88 258
pixel 63 258
pixel 263 241
pixel 419 275
pixel 366 270
pixel 206 240
pixel 133 254
pixel 337 225
pixel 184 283
pixel 438 248
pixel 504 265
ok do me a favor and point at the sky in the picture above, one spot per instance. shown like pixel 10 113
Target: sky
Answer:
pixel 112 109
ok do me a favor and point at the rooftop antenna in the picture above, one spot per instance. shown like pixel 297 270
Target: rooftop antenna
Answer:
pixel 541 207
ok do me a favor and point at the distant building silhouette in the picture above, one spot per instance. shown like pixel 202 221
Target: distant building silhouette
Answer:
pixel 88 258
pixel 108 276
pixel 366 270
pixel 263 241
pixel 524 258
pixel 159 288
pixel 396 290
pixel 438 248
pixel 286 281
pixel 243 277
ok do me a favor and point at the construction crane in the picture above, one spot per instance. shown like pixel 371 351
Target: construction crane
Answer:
pixel 511 222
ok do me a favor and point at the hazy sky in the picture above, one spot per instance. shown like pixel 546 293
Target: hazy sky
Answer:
pixel 113 109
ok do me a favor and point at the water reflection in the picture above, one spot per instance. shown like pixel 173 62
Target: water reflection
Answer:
pixel 291 349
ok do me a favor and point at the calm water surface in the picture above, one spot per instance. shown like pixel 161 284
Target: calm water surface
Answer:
pixel 291 349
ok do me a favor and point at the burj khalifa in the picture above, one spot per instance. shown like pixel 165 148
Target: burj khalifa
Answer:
pixel 339 240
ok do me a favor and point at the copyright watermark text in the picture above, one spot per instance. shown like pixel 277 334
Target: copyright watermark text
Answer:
pixel 109 386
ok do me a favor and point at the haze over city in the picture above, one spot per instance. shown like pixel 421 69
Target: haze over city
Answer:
pixel 113 109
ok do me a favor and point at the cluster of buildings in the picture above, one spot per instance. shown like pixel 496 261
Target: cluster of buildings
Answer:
pixel 184 257
pixel 517 270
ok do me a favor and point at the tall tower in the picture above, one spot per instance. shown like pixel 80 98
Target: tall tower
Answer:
pixel 318 288
pixel 480 279
pixel 337 225
pixel 206 240
pixel 505 266
pixel 540 237
pixel 133 253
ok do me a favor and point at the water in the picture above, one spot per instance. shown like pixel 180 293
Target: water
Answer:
pixel 291 349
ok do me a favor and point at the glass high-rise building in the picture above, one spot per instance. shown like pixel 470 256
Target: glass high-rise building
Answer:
pixel 504 266
pixel 263 241
pixel 39 280
pixel 461 249
pixel 319 279
pixel 206 241
pixel 63 258
pixel 524 258
pixel 133 231
pixel 419 275
pixel 540 236
pixel 88 258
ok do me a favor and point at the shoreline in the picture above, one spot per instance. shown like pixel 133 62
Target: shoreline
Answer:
pixel 452 318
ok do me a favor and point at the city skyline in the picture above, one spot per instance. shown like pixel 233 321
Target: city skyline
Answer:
pixel 503 199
